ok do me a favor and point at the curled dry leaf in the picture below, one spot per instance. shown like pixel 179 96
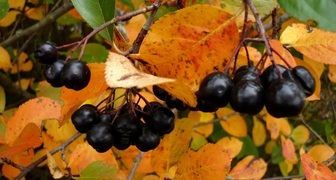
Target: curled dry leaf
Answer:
pixel 53 168
pixel 187 45
pixel 121 73
pixel 249 168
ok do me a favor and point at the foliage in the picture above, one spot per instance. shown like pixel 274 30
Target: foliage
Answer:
pixel 186 40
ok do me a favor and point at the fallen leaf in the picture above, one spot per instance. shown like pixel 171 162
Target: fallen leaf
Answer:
pixel 121 73
pixel 249 168
pixel 209 162
pixel 317 44
pixel 313 171
pixel 234 125
pixel 288 150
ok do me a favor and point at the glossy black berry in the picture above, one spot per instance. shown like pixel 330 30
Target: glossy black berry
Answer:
pixel 126 125
pixel 247 97
pixel 159 92
pixel 46 53
pixel 149 108
pixel 162 120
pixel 173 102
pixel 122 142
pixel 305 79
pixel 271 74
pixel 131 108
pixel 205 106
pixel 284 98
pixel 75 75
pixel 100 137
pixel 84 118
pixel 215 89
pixel 52 73
pixel 148 139
pixel 247 75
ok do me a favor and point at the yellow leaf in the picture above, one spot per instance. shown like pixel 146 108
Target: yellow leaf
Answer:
pixel 273 126
pixel 332 73
pixel 258 132
pixel 172 146
pixel 120 72
pixel 209 162
pixel 269 146
pixel 317 44
pixel 278 47
pixel 320 153
pixel 5 62
pixel 197 118
pixel 59 133
pixel 285 167
pixel 285 127
pixel 36 13
pixel 134 26
pixel 2 99
pixel 288 150
pixel 231 145
pixel 23 63
pixel 16 4
pixel 9 18
pixel 249 168
pixel 313 171
pixel 24 83
pixel 53 168
pixel 187 48
pixel 234 125
pixel 32 111
pixel 300 134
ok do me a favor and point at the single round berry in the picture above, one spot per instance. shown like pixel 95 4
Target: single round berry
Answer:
pixel 84 118
pixel 247 75
pixel 100 137
pixel 204 106
pixel 106 117
pixel 247 97
pixel 173 102
pixel 122 142
pixel 149 108
pixel 244 68
pixel 131 108
pixel 75 75
pixel 148 139
pixel 162 120
pixel 159 92
pixel 305 79
pixel 52 73
pixel 127 125
pixel 271 74
pixel 46 53
pixel 284 98
pixel 215 89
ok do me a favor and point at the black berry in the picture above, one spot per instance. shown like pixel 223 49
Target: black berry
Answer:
pixel 46 53
pixel 148 139
pixel 84 118
pixel 75 75
pixel 100 137
pixel 305 79
pixel 159 92
pixel 271 74
pixel 52 73
pixel 162 120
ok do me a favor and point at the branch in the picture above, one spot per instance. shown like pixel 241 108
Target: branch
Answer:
pixel 43 158
pixel 216 120
pixel 135 165
pixel 38 26
pixel 285 177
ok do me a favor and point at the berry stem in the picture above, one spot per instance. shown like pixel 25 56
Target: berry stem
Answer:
pixel 282 58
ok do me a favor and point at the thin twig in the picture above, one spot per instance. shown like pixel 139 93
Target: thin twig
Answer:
pixel 216 120
pixel 7 161
pixel 285 177
pixel 43 158
pixel 329 160
pixel 137 161
pixel 312 130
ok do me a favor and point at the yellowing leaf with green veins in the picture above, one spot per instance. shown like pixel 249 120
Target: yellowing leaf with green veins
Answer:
pixel 258 132
pixel 320 153
pixel 209 162
pixel 234 124
pixel 99 170
pixel 172 146
pixel 264 7
pixel 317 44
pixel 269 146
pixel 5 61
pixel 249 168
pixel 300 134
pixel 231 145
pixel 121 73
pixel 198 38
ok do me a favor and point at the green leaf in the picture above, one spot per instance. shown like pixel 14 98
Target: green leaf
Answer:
pixel 197 142
pixel 264 7
pixel 320 11
pixel 2 99
pixel 98 170
pixel 277 155
pixel 4 7
pixel 67 20
pixel 248 148
pixel 96 13
pixel 93 53
pixel 128 3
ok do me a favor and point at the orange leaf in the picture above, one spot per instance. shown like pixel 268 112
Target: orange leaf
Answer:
pixel 273 126
pixel 134 26
pixel 253 53
pixel 332 73
pixel 234 125
pixel 285 128
pixel 277 46
pixel 249 168
pixel 24 159
pixel 179 45
pixel 9 18
pixel 209 162
pixel 231 145
pixel 317 44
pixel 288 150
pixel 317 156
pixel 84 154
pixel 72 99
pixel 33 111
pixel 36 13
pixel 258 132
pixel 313 171
pixel 300 134
pixel 28 139
pixel 172 146
pixel 198 117
pixel 25 64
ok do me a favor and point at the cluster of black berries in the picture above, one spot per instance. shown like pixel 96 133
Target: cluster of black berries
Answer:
pixel 281 90
pixel 123 126
pixel 171 101
pixel 73 74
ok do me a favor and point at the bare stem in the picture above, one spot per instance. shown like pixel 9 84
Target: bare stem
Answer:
pixel 137 161
pixel 285 177
pixel 312 130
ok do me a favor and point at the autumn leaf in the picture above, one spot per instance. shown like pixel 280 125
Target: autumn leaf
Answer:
pixel 5 61
pixel 72 99
pixel 23 63
pixel 24 159
pixel 249 168
pixel 234 125
pixel 121 73
pixel 99 170
pixel 200 131
pixel 285 167
pixel 54 169
pixel 172 146
pixel 36 13
pixel 288 150
pixel 231 145
pixel 209 162
pixel 9 18
pixel 317 44
pixel 278 47
pixel 180 44
pixel 300 134
pixel 258 132
pixel 316 153
pixel 332 73
pixel 33 111
pixel 313 171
